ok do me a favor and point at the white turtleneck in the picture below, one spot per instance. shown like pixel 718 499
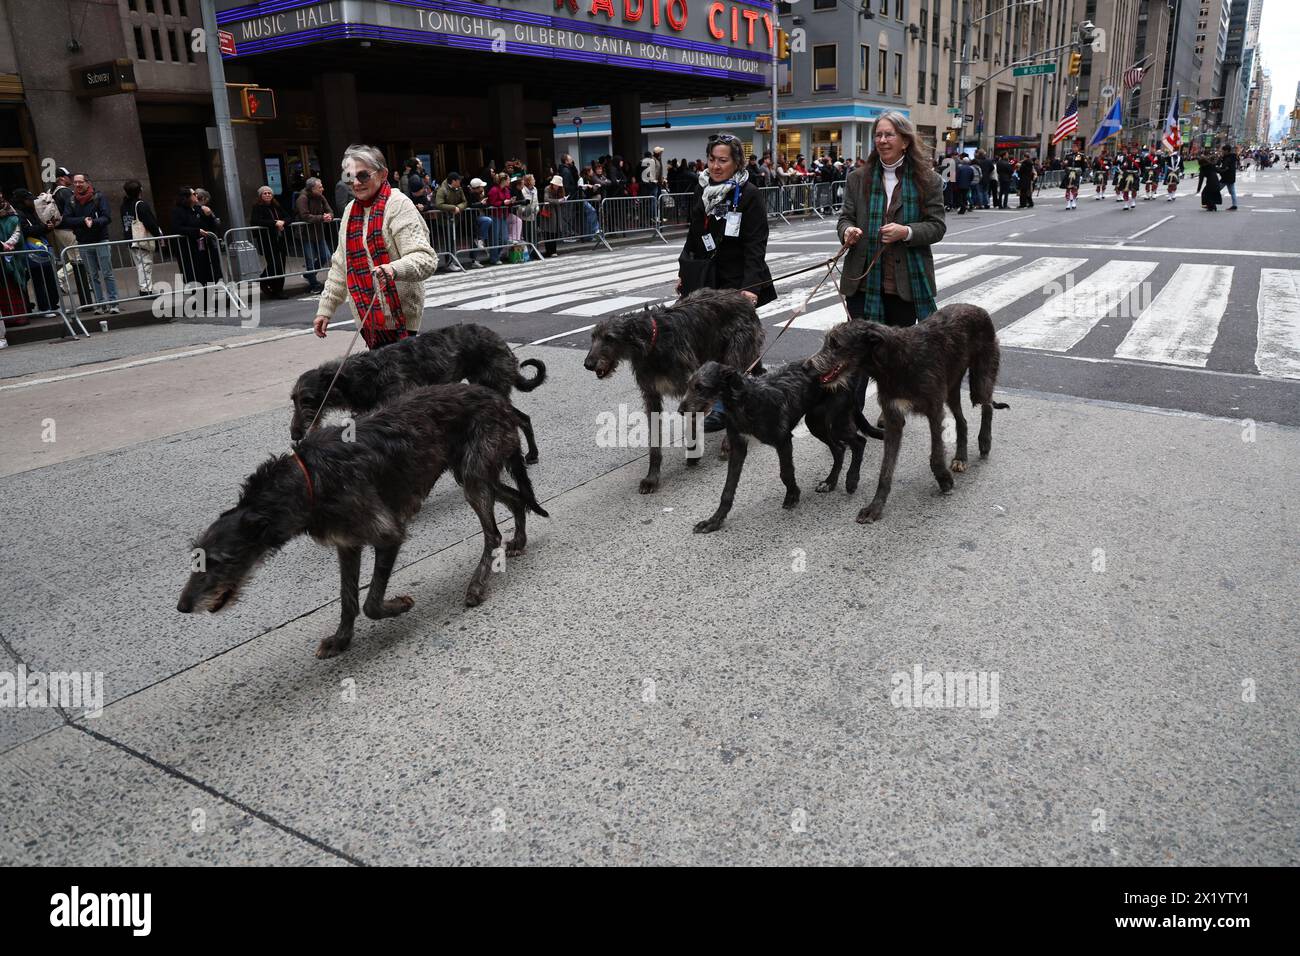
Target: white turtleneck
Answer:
pixel 890 174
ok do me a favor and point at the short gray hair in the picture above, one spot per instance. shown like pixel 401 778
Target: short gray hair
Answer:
pixel 311 184
pixel 371 157
pixel 203 195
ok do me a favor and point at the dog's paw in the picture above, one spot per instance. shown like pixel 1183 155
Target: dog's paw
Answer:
pixel 945 483
pixel 823 487
pixel 474 595
pixel 707 526
pixel 850 486
pixel 516 547
pixel 790 501
pixel 870 514
pixel 530 458
pixel 649 486
pixel 958 465
pixel 333 646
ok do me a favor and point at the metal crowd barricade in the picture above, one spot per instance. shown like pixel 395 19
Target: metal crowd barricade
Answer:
pixel 442 236
pixel 303 250
pixel 482 236
pixel 797 199
pixel 674 210
pixel 567 221
pixel 627 215
pixel 105 275
pixel 29 288
pixel 774 202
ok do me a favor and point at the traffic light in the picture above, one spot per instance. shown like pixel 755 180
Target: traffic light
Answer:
pixel 782 45
pixel 259 104
pixel 950 136
pixel 1076 63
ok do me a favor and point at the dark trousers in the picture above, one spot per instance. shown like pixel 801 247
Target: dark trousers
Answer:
pixel 898 312
pixel 1004 192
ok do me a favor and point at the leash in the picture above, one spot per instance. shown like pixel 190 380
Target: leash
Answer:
pixel 353 341
pixel 802 307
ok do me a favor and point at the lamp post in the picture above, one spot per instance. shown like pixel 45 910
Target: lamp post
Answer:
pixel 964 88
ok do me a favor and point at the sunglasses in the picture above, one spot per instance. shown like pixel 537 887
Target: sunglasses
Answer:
pixel 361 176
pixel 723 138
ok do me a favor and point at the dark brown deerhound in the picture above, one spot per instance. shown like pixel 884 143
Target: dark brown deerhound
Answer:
pixel 918 369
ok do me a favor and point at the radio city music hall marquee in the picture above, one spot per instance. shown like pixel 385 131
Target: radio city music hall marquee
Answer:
pixel 732 40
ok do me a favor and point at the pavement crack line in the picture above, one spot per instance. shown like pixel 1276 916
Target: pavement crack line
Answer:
pixel 213 792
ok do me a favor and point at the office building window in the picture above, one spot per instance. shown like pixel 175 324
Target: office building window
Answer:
pixel 920 86
pixel 824 68
pixel 823 4
pixel 188 42
pixel 171 42
pixel 139 42
pixel 864 69
pixel 898 74
pixel 157 46
pixel 898 9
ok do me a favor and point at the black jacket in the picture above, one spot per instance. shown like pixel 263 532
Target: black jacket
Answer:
pixel 740 261
pixel 1228 169
pixel 96 210
pixel 127 213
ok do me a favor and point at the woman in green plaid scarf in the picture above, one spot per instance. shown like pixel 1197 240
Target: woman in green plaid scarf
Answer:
pixel 894 201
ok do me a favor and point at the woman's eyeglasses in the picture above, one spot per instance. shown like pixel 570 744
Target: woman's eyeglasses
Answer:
pixel 361 176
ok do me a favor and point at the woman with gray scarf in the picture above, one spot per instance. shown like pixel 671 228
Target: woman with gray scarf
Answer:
pixel 726 245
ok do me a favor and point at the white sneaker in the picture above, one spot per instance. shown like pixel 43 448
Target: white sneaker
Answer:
pixel 114 311
pixel 4 343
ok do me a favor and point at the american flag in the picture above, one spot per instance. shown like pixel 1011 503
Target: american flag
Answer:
pixel 1133 76
pixel 1069 122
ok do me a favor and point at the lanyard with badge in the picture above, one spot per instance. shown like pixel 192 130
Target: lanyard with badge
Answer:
pixel 733 221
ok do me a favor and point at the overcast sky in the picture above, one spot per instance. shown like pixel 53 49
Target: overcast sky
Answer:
pixel 1279 39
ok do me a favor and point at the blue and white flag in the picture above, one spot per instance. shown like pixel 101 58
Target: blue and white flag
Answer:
pixel 1111 125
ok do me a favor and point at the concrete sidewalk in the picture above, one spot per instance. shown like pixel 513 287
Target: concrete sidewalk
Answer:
pixel 635 693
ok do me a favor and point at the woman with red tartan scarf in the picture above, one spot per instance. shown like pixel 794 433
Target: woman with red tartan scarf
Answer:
pixel 381 265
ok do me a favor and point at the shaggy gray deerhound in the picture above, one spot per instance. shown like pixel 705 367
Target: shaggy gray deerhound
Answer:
pixel 437 357
pixel 362 489
pixel 917 369
pixel 666 345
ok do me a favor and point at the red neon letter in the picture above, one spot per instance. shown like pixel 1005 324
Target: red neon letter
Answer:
pixel 677 22
pixel 715 31
pixel 628 14
pixel 750 16
pixel 602 6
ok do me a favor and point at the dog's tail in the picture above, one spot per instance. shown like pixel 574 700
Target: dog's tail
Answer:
pixel 861 424
pixel 519 472
pixel 528 384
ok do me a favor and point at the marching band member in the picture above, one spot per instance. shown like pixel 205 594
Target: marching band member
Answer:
pixel 1128 182
pixel 1171 183
pixel 1151 179
pixel 1100 173
pixel 1070 180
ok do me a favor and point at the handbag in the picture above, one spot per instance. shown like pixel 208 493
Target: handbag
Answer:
pixel 697 274
pixel 143 238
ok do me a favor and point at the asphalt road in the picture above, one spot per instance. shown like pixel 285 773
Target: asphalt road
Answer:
pixel 1120 577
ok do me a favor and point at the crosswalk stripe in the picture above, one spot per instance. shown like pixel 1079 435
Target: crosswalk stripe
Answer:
pixel 447 283
pixel 998 293
pixel 1181 323
pixel 1066 318
pixel 964 271
pixel 1277 351
pixel 821 319
pixel 541 305
pixel 500 300
pixel 486 279
pixel 601 306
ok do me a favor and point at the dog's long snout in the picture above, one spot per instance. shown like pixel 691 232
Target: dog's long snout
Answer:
pixel 186 604
pixel 589 363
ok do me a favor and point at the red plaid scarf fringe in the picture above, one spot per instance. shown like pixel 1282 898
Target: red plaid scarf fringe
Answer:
pixel 361 283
